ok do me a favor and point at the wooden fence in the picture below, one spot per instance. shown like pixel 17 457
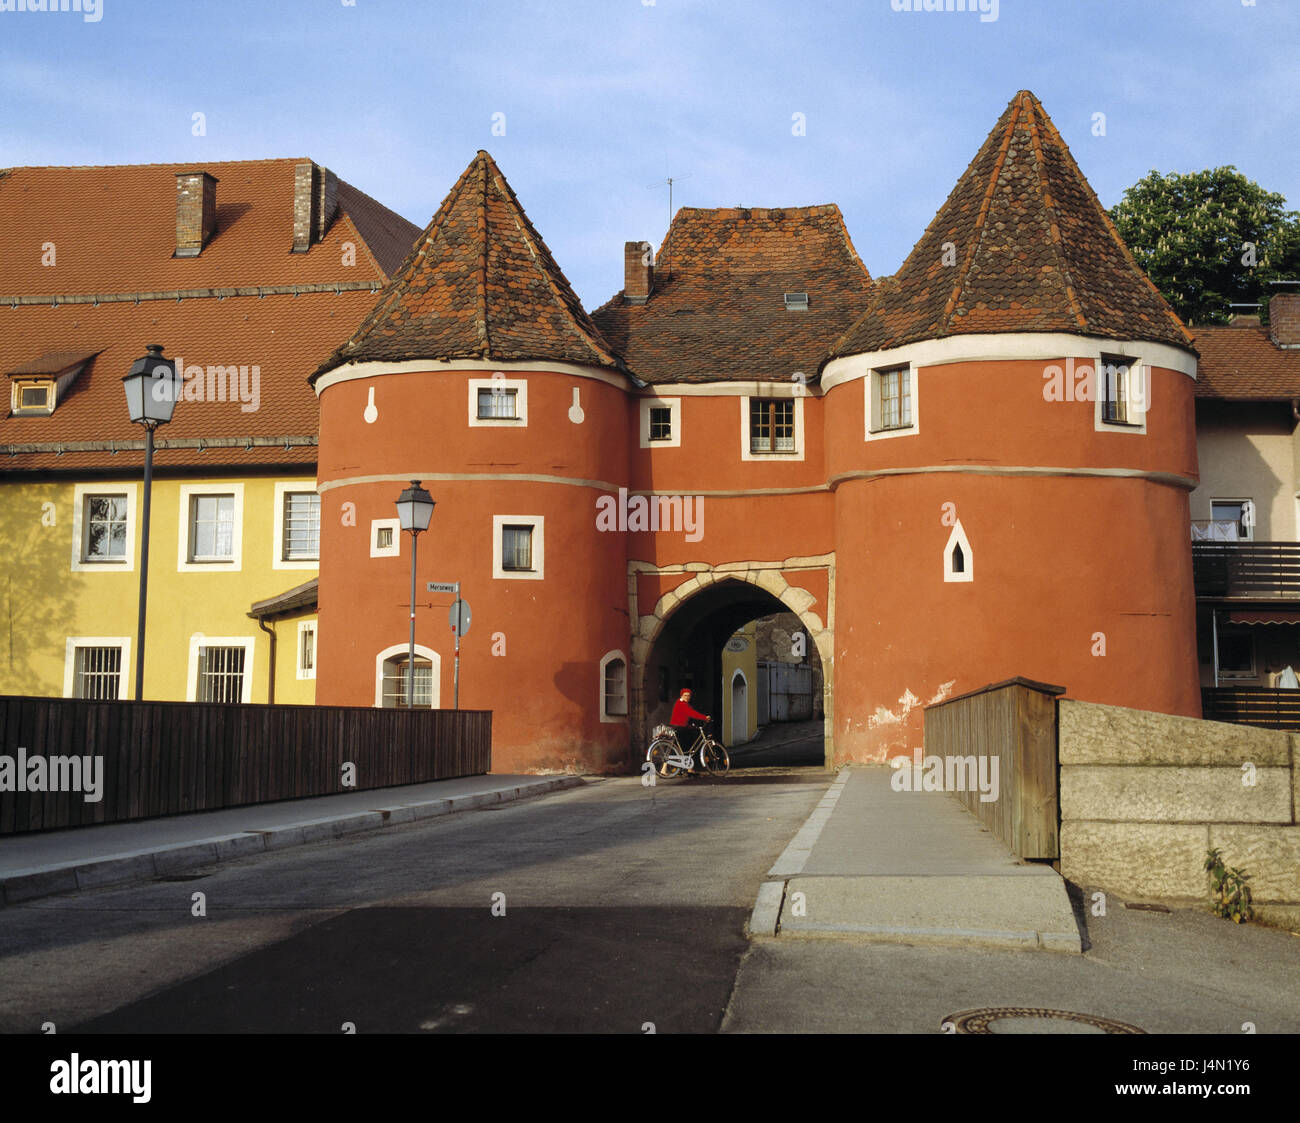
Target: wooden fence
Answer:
pixel 166 758
pixel 1252 705
pixel 1013 722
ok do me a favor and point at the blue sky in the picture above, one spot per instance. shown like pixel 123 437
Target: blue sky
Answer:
pixel 604 100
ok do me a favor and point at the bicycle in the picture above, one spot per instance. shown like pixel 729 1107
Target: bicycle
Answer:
pixel 669 759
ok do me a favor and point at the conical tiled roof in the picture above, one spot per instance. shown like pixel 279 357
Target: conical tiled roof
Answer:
pixel 1032 250
pixel 479 284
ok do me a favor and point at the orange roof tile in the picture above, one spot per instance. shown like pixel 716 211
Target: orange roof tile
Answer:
pixel 1243 364
pixel 114 233
pixel 716 311
pixel 480 283
pixel 1021 245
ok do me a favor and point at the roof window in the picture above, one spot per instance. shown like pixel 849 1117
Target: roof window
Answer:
pixel 796 302
pixel 32 399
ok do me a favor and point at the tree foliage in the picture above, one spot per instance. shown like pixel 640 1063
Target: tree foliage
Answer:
pixel 1209 239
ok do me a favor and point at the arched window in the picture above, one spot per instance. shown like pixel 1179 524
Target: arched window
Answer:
pixel 958 561
pixel 613 687
pixel 391 679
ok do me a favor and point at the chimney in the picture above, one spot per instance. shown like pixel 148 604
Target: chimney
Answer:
pixel 1284 319
pixel 196 212
pixel 638 271
pixel 315 203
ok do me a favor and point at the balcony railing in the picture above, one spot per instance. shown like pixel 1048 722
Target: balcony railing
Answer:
pixel 1246 569
pixel 1252 705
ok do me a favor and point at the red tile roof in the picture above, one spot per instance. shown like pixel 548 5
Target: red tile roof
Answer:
pixel 1034 251
pixel 114 233
pixel 480 283
pixel 716 311
pixel 1243 364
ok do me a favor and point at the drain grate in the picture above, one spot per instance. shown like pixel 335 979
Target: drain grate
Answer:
pixel 1031 1019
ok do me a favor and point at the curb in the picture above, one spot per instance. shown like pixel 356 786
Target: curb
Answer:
pixel 140 865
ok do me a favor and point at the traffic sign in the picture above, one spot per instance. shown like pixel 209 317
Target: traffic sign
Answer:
pixel 458 617
pixel 443 587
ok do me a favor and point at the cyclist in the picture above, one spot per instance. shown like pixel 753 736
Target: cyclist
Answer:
pixel 686 717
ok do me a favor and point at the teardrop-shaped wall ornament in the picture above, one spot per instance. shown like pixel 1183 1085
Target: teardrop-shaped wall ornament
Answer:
pixel 575 411
pixel 371 414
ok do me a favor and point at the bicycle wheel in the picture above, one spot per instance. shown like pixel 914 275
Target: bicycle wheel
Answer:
pixel 659 753
pixel 714 757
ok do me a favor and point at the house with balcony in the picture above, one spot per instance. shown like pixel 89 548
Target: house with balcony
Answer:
pixel 1246 517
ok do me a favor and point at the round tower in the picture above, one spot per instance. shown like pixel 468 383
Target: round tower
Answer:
pixel 479 374
pixel 1010 441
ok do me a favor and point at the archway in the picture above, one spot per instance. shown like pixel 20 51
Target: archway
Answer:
pixel 684 648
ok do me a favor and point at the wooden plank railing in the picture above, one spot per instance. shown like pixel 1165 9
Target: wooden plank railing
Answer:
pixel 1246 569
pixel 167 758
pixel 1252 705
pixel 1014 722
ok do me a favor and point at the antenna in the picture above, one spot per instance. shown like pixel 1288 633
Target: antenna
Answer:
pixel 669 180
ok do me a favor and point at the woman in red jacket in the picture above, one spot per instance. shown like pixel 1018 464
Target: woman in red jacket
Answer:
pixel 683 714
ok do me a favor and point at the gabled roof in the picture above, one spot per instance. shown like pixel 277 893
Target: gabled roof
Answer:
pixel 1030 249
pixel 1242 363
pixel 116 287
pixel 716 311
pixel 479 284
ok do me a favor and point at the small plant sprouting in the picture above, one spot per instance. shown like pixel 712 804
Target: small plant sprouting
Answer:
pixel 1232 894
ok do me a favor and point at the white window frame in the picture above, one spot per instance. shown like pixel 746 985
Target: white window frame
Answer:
pixel 233 564
pixel 304 627
pixel 538 523
pixel 16 397
pixel 278 560
pixel 798 399
pixel 674 405
pixel 126 675
pixel 198 640
pixel 605 715
pixel 1250 529
pixel 873 409
pixel 402 650
pixel 393 551
pixel 519 385
pixel 79 494
pixel 958 538
pixel 1137 408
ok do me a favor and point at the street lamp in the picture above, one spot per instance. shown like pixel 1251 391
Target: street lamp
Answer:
pixel 152 387
pixel 414 510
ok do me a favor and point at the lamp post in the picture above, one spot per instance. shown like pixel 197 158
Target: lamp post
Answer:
pixel 152 387
pixel 414 510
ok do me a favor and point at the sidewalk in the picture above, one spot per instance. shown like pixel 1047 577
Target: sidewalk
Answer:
pixel 48 862
pixel 909 867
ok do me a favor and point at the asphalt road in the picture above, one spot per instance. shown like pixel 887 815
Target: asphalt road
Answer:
pixel 609 908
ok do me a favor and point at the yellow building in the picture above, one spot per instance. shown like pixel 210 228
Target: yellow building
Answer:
pixel 248 295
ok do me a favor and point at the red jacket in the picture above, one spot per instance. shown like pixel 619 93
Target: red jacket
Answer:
pixel 682 713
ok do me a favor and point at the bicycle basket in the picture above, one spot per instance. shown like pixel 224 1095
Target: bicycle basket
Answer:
pixel 663 731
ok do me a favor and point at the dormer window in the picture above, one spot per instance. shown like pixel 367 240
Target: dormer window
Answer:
pixel 796 302
pixel 33 399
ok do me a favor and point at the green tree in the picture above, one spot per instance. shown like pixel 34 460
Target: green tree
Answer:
pixel 1209 239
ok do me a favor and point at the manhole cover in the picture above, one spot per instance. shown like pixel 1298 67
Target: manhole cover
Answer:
pixel 1030 1019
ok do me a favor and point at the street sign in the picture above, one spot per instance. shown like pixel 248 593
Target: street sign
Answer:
pixel 459 616
pixel 443 587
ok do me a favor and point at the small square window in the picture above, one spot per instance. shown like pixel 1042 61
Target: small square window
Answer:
pixel 301 536
pixel 105 528
pixel 383 538
pixel 33 397
pixel 1120 390
pixel 498 403
pixel 894 391
pixel 771 425
pixel 516 547
pixel 97 673
pixel 661 423
pixel 212 528
pixel 221 674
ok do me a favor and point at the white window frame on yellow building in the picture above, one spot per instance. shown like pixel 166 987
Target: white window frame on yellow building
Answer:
pixel 122 643
pixel 233 564
pixel 278 561
pixel 198 640
pixel 80 493
pixel 306 627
